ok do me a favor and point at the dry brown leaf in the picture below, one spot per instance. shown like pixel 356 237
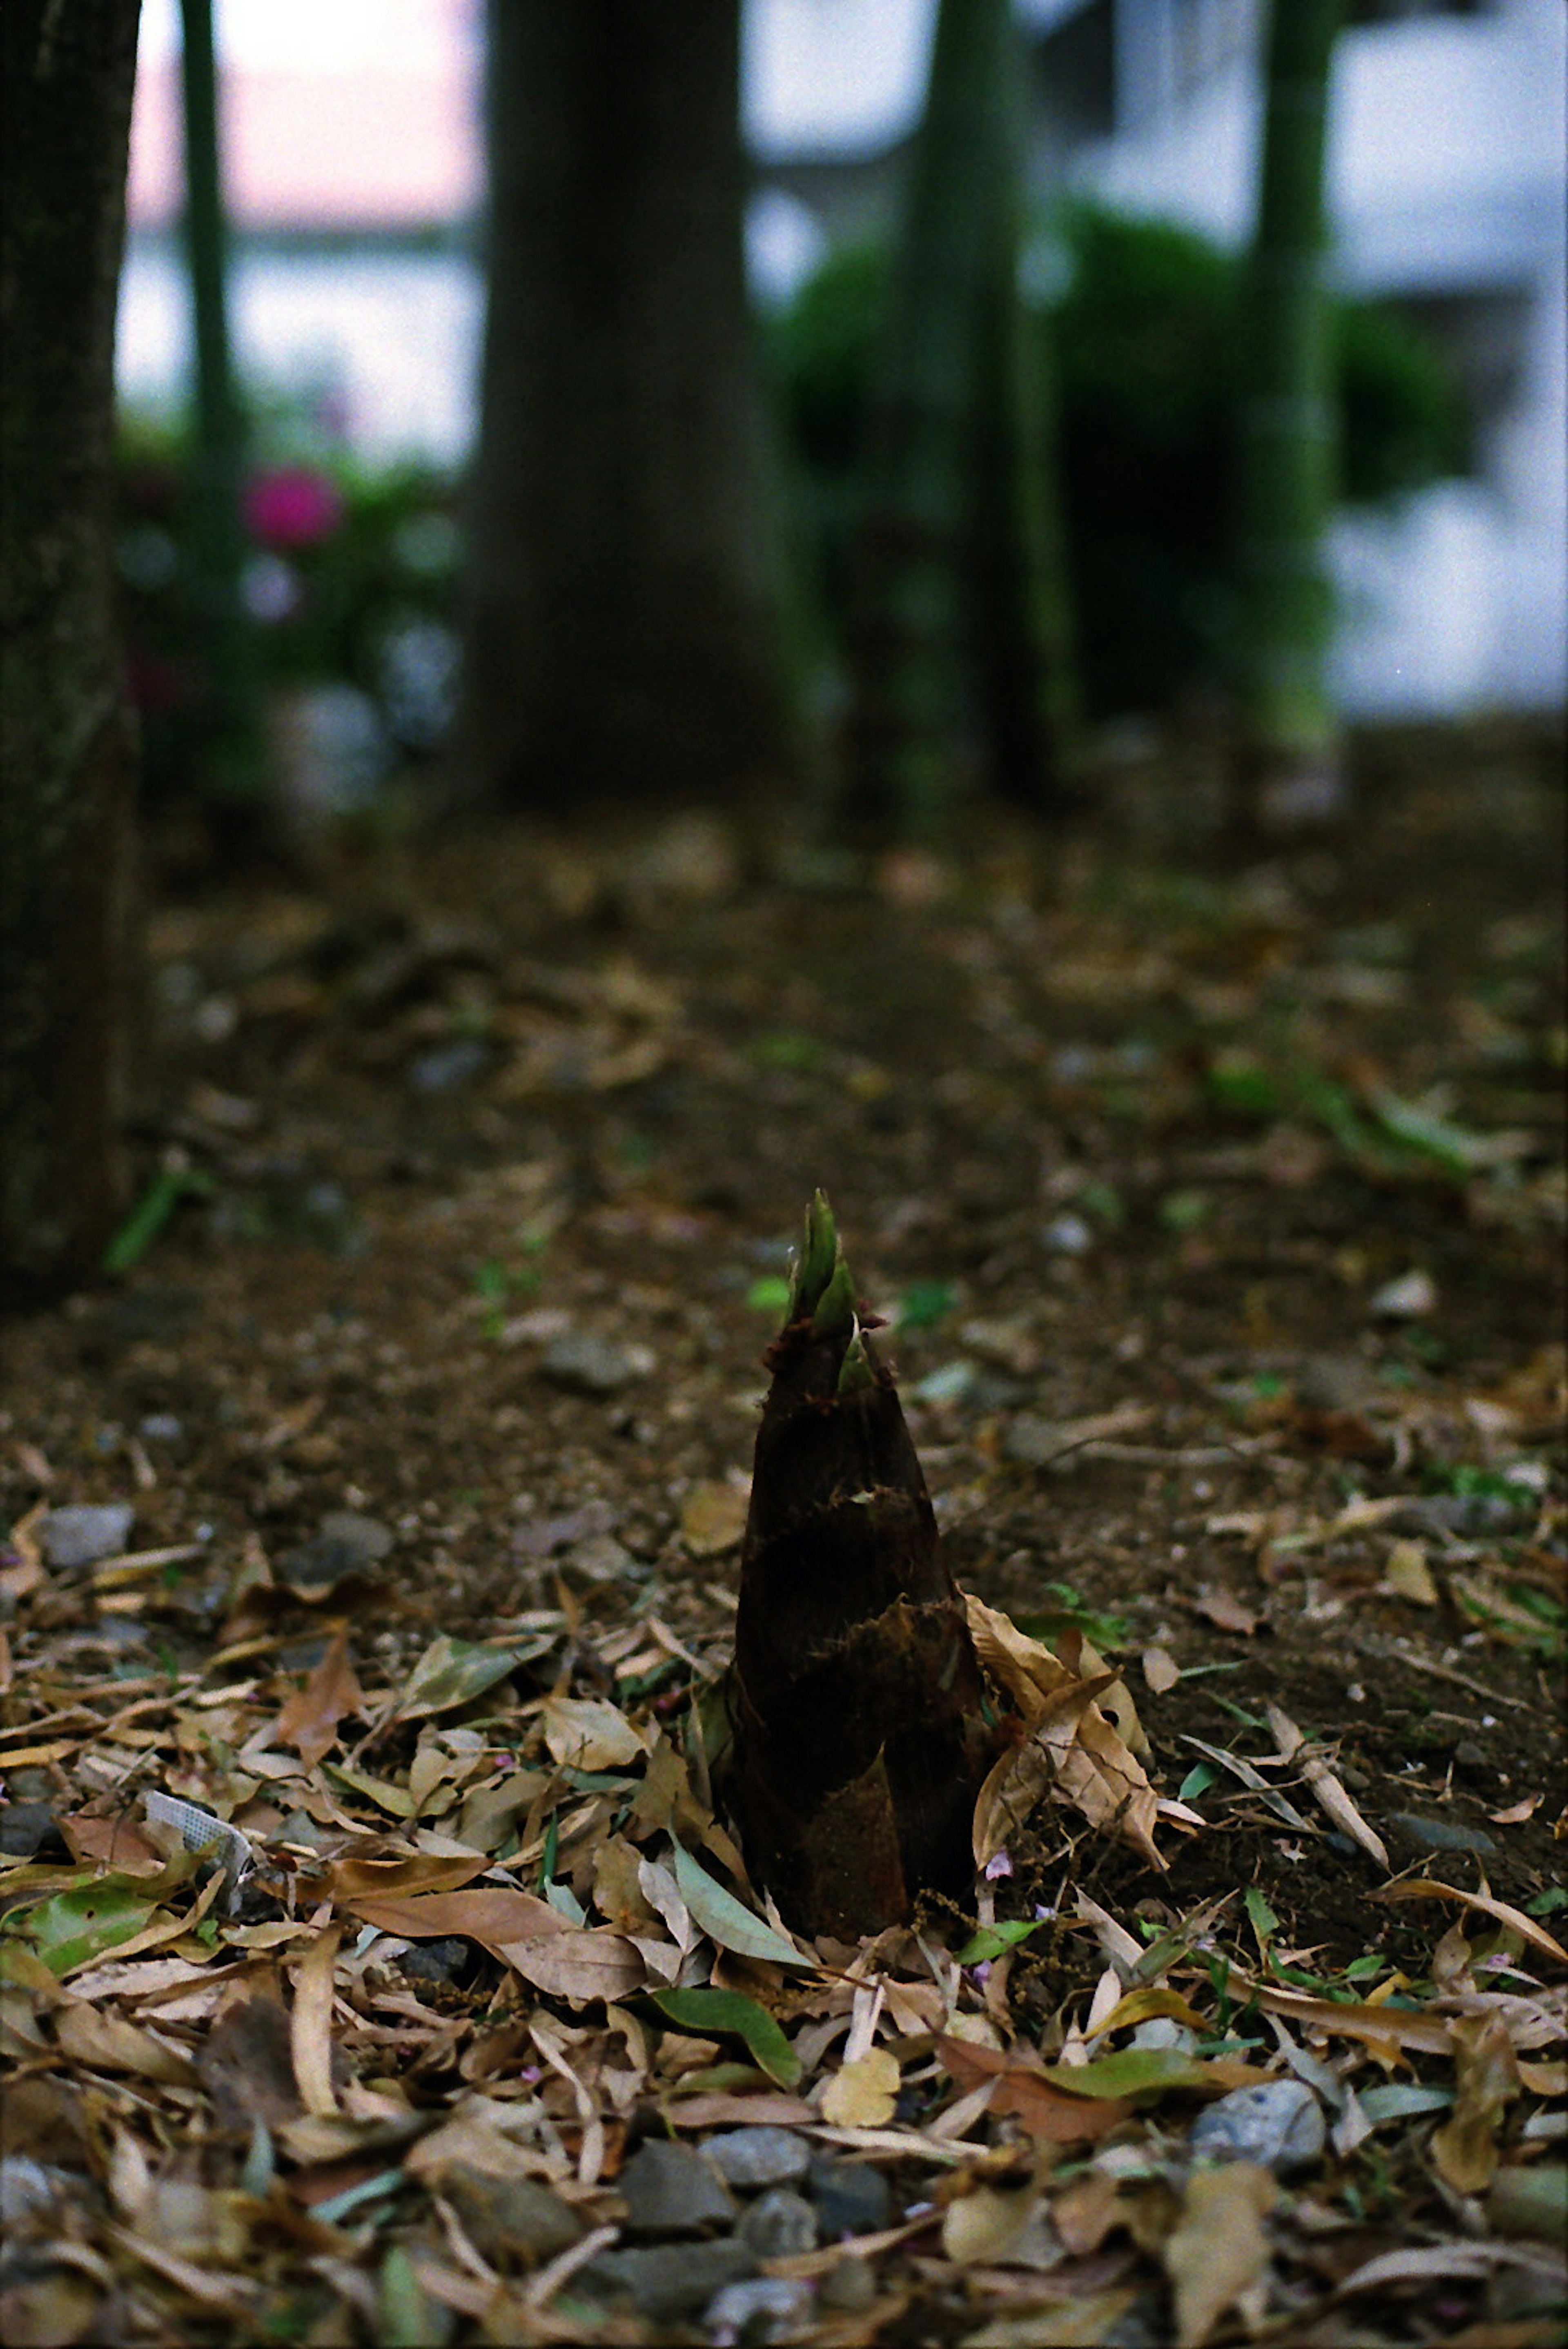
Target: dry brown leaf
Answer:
pixel 578 1963
pixel 1218 2250
pixel 1387 2026
pixel 586 1733
pixel 311 2024
pixel 575 1962
pixel 1225 1611
pixel 1407 1576
pixel 399 1874
pixel 863 2093
pixel 1046 2111
pixel 987 2224
pixel 1465 2148
pixel 714 1519
pixel 1160 1669
pixel 1516 1813
pixel 1422 1888
pixel 108 2042
pixel 1073 1745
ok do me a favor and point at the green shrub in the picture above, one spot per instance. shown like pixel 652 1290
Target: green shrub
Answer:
pixel 1142 342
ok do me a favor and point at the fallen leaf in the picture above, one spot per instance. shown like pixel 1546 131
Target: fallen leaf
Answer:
pixel 714 1519
pixel 1225 1611
pixel 1465 2149
pixel 108 2042
pixel 452 1670
pixel 586 1733
pixel 1072 1746
pixel 1407 1575
pixel 396 1874
pixel 1046 2111
pixel 1424 1887
pixel 1160 1669
pixel 1218 2249
pixel 576 1962
pixel 1388 2026
pixel 730 2015
pixel 987 2224
pixel 1516 1813
pixel 309 1720
pixel 726 1920
pixel 310 2025
pixel 863 2094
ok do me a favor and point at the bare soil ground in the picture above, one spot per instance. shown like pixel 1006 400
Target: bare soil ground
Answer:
pixel 1216 1216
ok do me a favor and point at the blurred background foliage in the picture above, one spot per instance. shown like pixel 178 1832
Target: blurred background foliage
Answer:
pixel 352 567
pixel 1145 321
pixel 349 583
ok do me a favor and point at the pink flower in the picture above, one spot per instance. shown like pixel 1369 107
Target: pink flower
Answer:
pixel 292 508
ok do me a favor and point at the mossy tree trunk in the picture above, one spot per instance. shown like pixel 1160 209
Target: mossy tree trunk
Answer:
pixel 67 743
pixel 626 613
pixel 960 644
pixel 1289 745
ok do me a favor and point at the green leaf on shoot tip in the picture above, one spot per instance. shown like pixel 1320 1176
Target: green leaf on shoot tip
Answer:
pixel 818 1259
pixel 834 1315
pixel 855 1371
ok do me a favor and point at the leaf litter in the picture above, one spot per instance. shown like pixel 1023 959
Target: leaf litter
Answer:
pixel 354 1949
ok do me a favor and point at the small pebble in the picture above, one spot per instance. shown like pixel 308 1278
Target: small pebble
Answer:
pixel 586 1364
pixel 851 2199
pixel 665 2282
pixel 779 2224
pixel 446 1066
pixel 27 1831
pixel 1068 1235
pixel 750 2158
pixel 81 1536
pixel 1278 2123
pixel 768 2308
pixel 671 2189
pixel 1439 1835
pixel 346 1544
pixel 446 1961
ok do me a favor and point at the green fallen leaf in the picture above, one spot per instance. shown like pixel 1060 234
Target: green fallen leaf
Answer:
pixel 151 1212
pixel 1134 2072
pixel 726 1920
pixel 71 1927
pixel 452 1670
pixel 992 1939
pixel 1456 1148
pixel 730 2015
pixel 1402 2100
pixel 924 1303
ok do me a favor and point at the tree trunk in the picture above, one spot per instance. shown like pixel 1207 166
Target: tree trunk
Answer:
pixel 625 621
pixel 1289 736
pixel 960 646
pixel 67 758
pixel 216 617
